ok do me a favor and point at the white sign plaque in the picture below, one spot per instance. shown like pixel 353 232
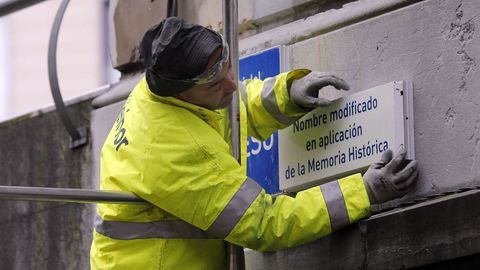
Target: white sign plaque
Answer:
pixel 347 136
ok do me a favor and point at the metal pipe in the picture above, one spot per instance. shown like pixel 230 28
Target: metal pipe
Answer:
pixel 79 136
pixel 16 5
pixel 21 193
pixel 230 30
pixel 172 8
pixel 236 256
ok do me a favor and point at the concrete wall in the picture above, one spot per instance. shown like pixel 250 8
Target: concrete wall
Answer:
pixel 434 45
pixel 34 151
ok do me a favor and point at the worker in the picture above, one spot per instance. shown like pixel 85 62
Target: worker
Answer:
pixel 170 146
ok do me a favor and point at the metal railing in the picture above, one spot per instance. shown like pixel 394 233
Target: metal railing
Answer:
pixel 21 193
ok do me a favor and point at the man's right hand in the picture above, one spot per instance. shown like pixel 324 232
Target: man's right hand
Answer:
pixel 390 178
pixel 304 91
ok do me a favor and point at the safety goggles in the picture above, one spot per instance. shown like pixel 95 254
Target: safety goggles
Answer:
pixel 210 74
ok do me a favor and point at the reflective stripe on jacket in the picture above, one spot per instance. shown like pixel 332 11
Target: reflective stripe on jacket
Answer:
pixel 177 156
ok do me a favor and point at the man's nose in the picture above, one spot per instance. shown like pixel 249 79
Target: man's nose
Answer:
pixel 231 84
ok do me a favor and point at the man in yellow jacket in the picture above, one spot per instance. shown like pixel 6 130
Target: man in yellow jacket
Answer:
pixel 170 146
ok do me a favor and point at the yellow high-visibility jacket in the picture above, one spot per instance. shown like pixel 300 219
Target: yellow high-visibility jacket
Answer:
pixel 177 156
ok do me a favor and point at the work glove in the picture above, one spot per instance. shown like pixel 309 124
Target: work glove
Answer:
pixel 390 178
pixel 304 91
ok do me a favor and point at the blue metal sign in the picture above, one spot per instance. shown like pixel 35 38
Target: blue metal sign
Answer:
pixel 262 157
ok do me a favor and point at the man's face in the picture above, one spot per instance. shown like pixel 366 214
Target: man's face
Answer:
pixel 215 95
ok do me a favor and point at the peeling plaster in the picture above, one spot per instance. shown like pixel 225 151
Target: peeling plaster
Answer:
pixel 450 116
pixel 463 32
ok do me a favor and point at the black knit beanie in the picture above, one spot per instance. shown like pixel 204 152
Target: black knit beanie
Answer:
pixel 175 49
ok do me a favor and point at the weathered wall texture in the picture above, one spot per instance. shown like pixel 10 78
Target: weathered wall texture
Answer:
pixel 34 151
pixel 434 45
pixel 130 19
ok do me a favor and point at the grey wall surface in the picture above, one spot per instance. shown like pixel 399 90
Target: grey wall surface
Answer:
pixel 434 45
pixel 34 151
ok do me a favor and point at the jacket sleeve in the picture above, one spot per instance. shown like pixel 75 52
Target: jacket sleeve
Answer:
pixel 268 103
pixel 251 218
pixel 313 213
